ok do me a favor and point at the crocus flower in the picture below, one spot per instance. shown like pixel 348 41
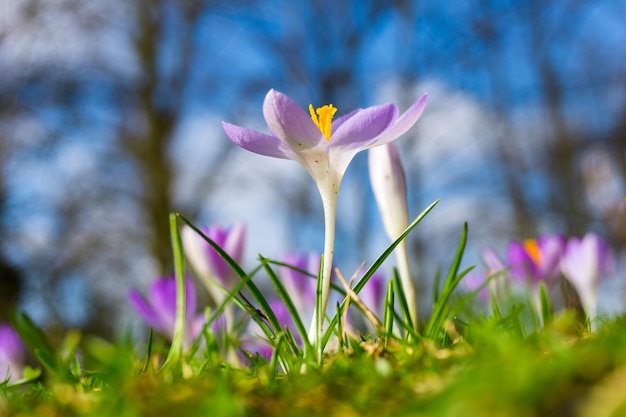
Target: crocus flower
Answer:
pixel 300 286
pixel 472 281
pixel 389 186
pixel 256 341
pixel 207 263
pixel 11 353
pixel 493 266
pixel 583 264
pixel 535 260
pixel 158 309
pixel 324 148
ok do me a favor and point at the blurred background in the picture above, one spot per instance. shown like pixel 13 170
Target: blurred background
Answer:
pixel 110 118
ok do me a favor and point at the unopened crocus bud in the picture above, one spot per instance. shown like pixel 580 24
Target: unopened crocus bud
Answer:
pixel 389 186
pixel 209 266
pixel 584 263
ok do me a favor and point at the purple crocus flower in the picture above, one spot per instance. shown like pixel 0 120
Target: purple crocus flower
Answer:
pixel 583 264
pixel 256 342
pixel 207 263
pixel 324 148
pixel 535 260
pixel 159 309
pixel 300 286
pixel 474 280
pixel 11 353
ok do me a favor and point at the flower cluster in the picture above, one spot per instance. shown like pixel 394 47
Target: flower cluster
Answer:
pixel 583 262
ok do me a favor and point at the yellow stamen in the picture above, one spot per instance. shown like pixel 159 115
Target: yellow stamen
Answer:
pixel 323 119
pixel 532 248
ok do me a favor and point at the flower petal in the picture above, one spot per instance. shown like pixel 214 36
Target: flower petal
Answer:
pixel 404 122
pixel 362 126
pixel 162 295
pixel 289 122
pixel 143 309
pixel 257 142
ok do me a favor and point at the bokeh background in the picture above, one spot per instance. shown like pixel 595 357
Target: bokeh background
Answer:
pixel 110 119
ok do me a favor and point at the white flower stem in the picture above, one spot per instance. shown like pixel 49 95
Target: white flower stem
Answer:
pixel 329 201
pixel 408 288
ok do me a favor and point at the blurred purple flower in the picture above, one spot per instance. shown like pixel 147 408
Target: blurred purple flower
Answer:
pixel 373 294
pixel 256 341
pixel 535 260
pixel 493 263
pixel 583 264
pixel 324 148
pixel 11 353
pixel 300 286
pixel 159 309
pixel 207 263
pixel 474 280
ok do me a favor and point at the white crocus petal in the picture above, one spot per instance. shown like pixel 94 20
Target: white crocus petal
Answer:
pixel 195 250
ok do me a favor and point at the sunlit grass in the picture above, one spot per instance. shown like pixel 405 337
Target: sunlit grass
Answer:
pixel 464 358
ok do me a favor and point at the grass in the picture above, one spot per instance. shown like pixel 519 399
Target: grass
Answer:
pixel 491 372
pixel 463 360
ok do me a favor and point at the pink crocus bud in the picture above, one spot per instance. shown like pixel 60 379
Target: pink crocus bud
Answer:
pixel 158 309
pixel 389 187
pixel 584 263
pixel 208 265
pixel 11 353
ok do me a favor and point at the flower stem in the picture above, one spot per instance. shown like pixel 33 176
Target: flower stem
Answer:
pixel 329 202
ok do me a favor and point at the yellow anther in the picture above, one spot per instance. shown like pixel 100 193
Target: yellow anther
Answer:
pixel 532 248
pixel 323 118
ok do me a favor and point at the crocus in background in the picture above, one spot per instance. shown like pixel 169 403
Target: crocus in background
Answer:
pixel 373 297
pixel 494 266
pixel 11 353
pixel 158 309
pixel 207 263
pixel 389 186
pixel 472 281
pixel 536 260
pixel 583 264
pixel 324 148
pixel 300 286
pixel 256 342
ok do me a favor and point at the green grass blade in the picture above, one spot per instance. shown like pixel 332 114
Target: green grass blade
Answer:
pixel 389 309
pixel 440 308
pixel 404 306
pixel 284 296
pixel 176 348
